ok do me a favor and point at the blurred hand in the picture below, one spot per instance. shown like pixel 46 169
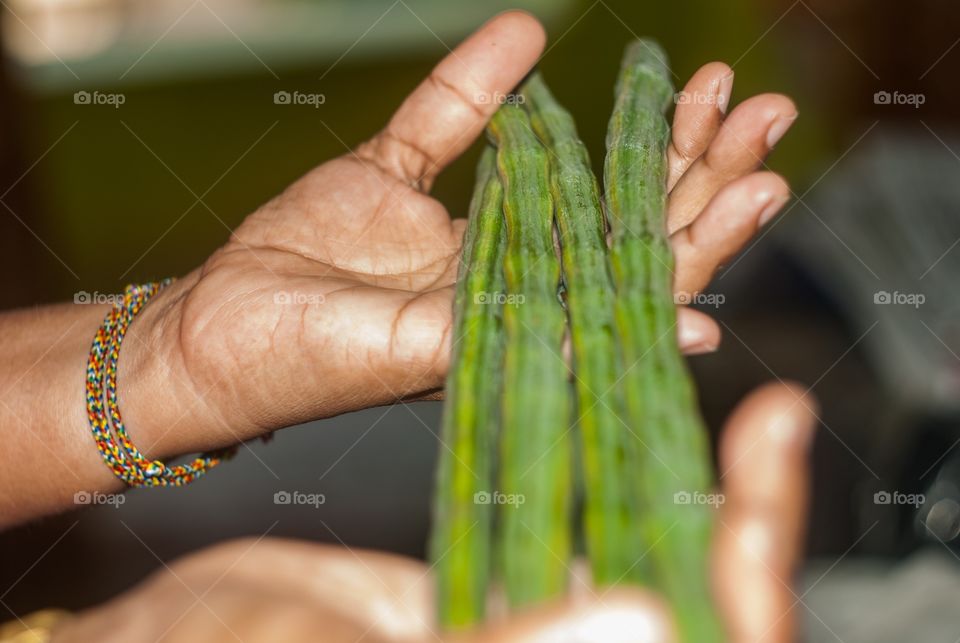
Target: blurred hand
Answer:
pixel 277 590
pixel 337 294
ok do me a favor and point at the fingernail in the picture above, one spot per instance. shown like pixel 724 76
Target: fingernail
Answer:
pixel 724 90
pixel 692 341
pixel 771 209
pixel 778 129
pixel 700 348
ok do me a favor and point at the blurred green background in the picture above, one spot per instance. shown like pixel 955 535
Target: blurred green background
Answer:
pixel 116 191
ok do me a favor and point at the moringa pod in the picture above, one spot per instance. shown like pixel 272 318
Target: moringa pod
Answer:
pixel 610 521
pixel 535 531
pixel 670 453
pixel 460 545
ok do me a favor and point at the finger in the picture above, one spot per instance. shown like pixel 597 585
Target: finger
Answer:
pixel 619 615
pixel 763 459
pixel 449 109
pixel 697 332
pixel 435 395
pixel 741 144
pixel 700 109
pixel 364 593
pixel 729 221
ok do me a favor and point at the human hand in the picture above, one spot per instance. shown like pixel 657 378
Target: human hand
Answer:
pixel 279 590
pixel 337 294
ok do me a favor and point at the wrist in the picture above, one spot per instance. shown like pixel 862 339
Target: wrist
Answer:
pixel 164 413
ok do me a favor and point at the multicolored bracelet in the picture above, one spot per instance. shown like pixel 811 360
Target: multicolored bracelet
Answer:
pixel 103 410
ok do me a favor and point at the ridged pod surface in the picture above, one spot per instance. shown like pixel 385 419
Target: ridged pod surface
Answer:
pixel 461 542
pixel 535 448
pixel 670 454
pixel 611 522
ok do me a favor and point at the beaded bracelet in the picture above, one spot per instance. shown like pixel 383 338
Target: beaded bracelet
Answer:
pixel 103 411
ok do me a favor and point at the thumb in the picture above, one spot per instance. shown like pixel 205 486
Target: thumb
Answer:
pixel 448 110
pixel 759 534
pixel 618 616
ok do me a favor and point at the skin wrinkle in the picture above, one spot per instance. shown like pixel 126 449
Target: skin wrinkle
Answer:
pixel 183 332
pixel 682 157
pixel 374 219
pixel 426 166
pixel 722 173
pixel 416 166
pixel 686 146
pixel 148 363
pixel 745 154
pixel 449 263
pixel 743 190
pixel 377 214
pixel 437 80
pixel 341 271
pixel 454 246
pixel 441 355
pixel 192 333
pixel 432 365
pixel 394 325
pixel 372 154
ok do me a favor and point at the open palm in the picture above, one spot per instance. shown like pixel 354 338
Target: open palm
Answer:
pixel 336 295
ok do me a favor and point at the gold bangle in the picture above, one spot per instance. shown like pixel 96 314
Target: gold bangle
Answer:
pixel 36 627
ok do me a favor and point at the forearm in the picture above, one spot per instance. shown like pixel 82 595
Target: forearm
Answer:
pixel 49 453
